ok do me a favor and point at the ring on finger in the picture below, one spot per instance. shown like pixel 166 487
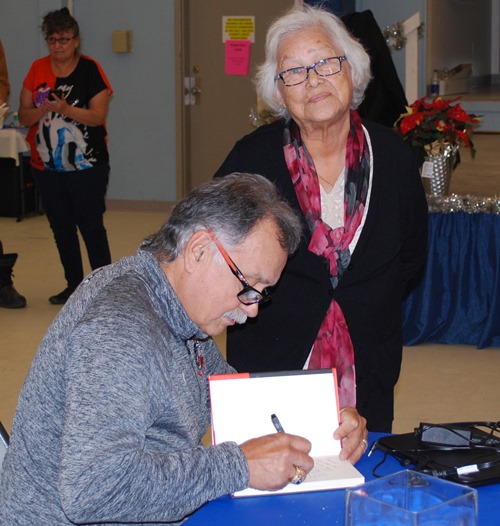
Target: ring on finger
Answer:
pixel 299 477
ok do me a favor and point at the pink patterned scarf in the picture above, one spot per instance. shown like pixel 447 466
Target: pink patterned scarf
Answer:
pixel 333 346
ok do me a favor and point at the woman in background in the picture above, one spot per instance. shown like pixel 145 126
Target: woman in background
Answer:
pixel 9 297
pixel 4 76
pixel 64 100
pixel 357 186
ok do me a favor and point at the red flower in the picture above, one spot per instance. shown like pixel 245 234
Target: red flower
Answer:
pixel 407 124
pixel 438 120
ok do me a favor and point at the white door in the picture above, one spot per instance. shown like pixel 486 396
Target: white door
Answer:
pixel 207 130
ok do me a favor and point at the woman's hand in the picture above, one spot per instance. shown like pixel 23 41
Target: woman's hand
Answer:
pixel 56 104
pixel 93 115
pixel 28 113
pixel 353 434
pixel 272 459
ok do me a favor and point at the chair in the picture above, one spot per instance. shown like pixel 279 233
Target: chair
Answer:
pixel 4 443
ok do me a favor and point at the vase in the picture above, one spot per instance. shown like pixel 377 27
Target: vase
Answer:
pixel 437 170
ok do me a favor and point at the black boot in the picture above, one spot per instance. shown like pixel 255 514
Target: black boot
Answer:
pixel 9 297
pixel 62 297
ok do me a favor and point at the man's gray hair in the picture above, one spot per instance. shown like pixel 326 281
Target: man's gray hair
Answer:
pixel 231 207
pixel 305 17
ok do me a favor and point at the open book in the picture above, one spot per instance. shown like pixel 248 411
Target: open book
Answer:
pixel 306 404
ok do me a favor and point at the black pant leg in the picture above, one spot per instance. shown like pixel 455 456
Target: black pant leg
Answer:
pixel 57 204
pixel 88 191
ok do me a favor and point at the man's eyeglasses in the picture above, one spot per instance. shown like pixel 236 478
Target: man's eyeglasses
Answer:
pixel 325 67
pixel 249 295
pixel 61 40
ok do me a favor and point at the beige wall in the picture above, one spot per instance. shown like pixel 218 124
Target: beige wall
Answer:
pixel 459 32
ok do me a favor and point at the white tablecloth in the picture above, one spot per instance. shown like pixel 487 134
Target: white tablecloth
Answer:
pixel 12 143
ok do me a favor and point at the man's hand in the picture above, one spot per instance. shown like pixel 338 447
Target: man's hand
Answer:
pixel 272 459
pixel 353 434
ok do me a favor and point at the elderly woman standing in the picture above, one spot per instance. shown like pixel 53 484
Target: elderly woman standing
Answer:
pixel 65 100
pixel 338 303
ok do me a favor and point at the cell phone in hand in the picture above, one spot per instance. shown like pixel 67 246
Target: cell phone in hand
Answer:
pixel 57 92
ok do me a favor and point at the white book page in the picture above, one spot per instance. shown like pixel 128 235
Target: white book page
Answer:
pixel 327 468
pixel 306 405
pixel 328 473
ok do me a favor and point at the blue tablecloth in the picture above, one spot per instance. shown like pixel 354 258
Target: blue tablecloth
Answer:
pixel 458 299
pixel 317 508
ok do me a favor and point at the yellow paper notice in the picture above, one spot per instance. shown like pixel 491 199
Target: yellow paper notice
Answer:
pixel 238 28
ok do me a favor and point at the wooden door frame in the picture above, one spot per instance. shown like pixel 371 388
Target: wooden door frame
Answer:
pixel 181 135
pixel 180 117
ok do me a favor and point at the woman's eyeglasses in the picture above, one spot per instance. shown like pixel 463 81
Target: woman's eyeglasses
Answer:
pixel 249 295
pixel 61 40
pixel 325 67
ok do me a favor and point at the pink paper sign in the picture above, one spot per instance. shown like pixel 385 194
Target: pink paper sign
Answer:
pixel 237 57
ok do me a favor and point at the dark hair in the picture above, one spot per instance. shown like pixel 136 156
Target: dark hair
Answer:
pixel 59 21
pixel 231 207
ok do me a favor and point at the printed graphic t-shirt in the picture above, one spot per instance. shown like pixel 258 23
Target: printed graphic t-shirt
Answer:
pixel 59 143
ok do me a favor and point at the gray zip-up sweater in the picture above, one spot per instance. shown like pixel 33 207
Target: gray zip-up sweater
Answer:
pixel 112 412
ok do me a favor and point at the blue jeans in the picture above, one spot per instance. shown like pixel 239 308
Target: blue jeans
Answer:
pixel 75 200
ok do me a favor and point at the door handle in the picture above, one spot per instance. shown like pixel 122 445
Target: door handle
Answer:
pixel 192 90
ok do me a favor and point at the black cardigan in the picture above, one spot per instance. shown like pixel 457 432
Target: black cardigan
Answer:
pixel 389 253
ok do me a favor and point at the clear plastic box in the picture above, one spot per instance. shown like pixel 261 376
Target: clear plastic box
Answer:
pixel 411 498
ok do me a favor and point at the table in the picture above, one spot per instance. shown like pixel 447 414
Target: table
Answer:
pixel 317 508
pixel 458 299
pixel 12 144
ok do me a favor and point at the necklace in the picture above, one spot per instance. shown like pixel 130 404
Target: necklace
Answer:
pixel 326 180
pixel 334 182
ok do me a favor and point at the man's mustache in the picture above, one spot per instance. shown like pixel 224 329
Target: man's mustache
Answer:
pixel 237 315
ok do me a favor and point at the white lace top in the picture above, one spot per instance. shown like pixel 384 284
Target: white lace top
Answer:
pixel 332 202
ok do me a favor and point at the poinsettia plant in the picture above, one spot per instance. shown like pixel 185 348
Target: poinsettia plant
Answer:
pixel 431 125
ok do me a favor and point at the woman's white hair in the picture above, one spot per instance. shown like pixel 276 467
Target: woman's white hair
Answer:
pixel 297 19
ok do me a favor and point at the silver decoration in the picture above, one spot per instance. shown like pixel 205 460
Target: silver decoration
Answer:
pixel 420 31
pixel 258 118
pixel 442 168
pixel 395 35
pixel 464 203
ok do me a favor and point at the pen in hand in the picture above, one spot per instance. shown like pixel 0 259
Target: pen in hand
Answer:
pixel 277 424
pixel 300 473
